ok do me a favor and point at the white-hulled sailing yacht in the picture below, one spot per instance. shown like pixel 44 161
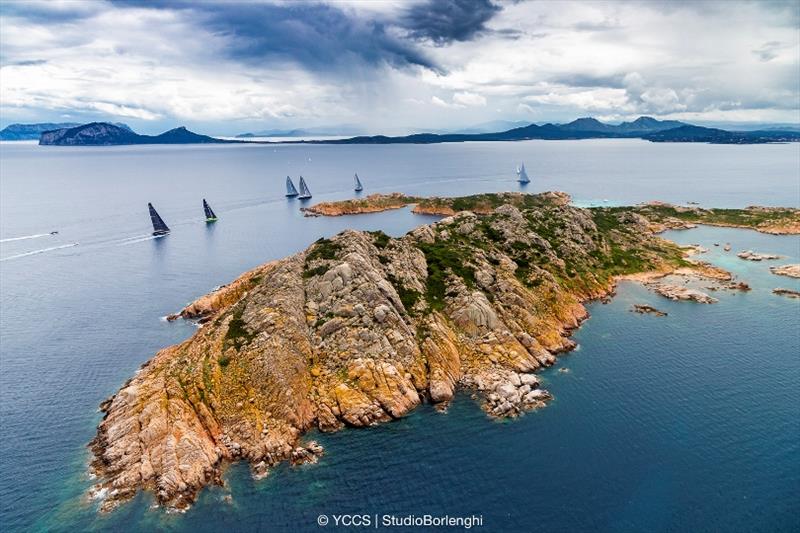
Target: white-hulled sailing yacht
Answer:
pixel 522 176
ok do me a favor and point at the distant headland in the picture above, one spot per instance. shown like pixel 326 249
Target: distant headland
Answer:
pixel 647 128
pixel 32 132
pixel 105 134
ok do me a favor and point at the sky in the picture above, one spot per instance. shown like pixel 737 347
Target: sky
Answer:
pixel 396 66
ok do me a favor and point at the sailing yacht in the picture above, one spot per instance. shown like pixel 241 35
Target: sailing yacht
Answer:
pixel 522 176
pixel 210 216
pixel 159 227
pixel 290 190
pixel 359 187
pixel 305 193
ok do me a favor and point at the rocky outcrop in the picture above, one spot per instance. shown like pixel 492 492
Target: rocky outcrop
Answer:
pixel 479 203
pixel 359 330
pixel 680 292
pixel 371 204
pixel 773 220
pixel 792 271
pixel 750 255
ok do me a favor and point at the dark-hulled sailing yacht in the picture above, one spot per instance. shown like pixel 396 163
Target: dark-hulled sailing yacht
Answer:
pixel 522 176
pixel 159 227
pixel 210 216
pixel 290 190
pixel 359 187
pixel 305 193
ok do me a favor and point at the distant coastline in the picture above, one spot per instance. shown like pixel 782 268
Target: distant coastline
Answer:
pixel 646 128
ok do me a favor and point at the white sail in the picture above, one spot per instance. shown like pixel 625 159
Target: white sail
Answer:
pixel 359 187
pixel 522 175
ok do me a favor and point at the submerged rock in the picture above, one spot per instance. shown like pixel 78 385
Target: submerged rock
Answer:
pixel 647 309
pixel 787 292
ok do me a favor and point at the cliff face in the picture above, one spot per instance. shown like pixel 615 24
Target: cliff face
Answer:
pixel 360 329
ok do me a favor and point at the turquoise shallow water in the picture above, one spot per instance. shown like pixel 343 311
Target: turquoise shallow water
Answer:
pixel 688 422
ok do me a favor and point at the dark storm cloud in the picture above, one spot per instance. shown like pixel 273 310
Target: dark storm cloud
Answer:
pixel 45 12
pixel 445 21
pixel 768 51
pixel 318 36
pixel 22 62
pixel 589 80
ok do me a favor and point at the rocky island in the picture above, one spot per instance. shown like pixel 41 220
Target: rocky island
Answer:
pixel 361 328
pixel 662 216
pixel 791 271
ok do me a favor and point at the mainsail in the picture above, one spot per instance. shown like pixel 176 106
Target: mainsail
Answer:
pixel 210 216
pixel 304 192
pixel 359 187
pixel 523 176
pixel 290 190
pixel 159 228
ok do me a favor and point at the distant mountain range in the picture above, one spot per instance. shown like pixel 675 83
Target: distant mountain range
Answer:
pixel 105 134
pixel 314 131
pixel 32 132
pixel 647 128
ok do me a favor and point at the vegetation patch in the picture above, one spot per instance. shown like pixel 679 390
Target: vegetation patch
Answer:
pixel 444 259
pixel 323 249
pixel 409 297
pixel 380 239
pixel 316 271
pixel 238 335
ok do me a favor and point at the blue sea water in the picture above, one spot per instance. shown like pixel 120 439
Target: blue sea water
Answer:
pixel 689 422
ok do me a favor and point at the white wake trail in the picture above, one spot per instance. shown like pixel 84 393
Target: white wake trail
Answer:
pixel 26 237
pixel 142 239
pixel 35 252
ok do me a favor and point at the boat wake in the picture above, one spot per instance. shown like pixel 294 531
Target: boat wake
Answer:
pixel 35 252
pixel 135 240
pixel 26 237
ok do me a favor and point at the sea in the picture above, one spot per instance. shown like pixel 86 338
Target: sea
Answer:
pixel 687 422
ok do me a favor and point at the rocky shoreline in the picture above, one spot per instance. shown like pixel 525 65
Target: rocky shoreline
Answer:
pixel 661 216
pixel 360 329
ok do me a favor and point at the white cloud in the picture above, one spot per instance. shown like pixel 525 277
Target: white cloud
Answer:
pixel 469 99
pixel 537 61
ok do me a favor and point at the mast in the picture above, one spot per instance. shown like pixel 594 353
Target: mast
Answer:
pixel 523 176
pixel 290 190
pixel 210 216
pixel 305 193
pixel 159 227
pixel 359 187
